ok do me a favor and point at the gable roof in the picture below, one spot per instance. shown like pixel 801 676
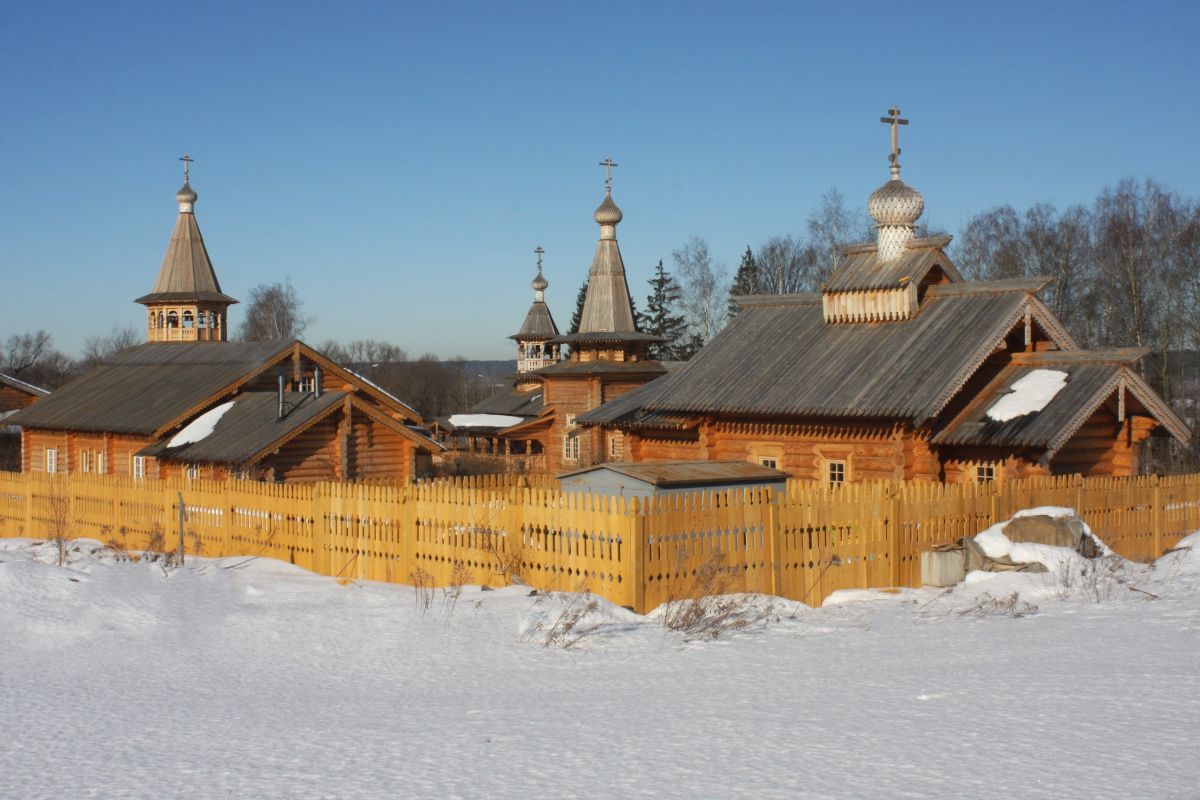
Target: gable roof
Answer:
pixel 861 269
pixel 1091 378
pixel 151 388
pixel 511 402
pixel 147 387
pixel 251 428
pixel 779 357
pixel 22 386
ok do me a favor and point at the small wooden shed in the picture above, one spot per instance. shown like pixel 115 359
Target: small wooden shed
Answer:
pixel 650 478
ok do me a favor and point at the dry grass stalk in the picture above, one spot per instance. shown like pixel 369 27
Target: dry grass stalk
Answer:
pixel 702 609
pixel 1008 606
pixel 422 583
pixel 459 576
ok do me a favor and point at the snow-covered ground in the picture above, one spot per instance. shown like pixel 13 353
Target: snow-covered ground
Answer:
pixel 248 678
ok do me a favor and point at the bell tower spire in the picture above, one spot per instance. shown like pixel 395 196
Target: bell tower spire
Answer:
pixel 187 304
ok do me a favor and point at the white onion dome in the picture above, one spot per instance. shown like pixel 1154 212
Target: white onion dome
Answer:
pixel 608 213
pixel 896 203
pixel 539 283
pixel 186 194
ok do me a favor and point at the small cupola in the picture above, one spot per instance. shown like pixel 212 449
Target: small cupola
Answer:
pixel 882 281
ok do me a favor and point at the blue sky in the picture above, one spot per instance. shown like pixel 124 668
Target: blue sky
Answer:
pixel 400 162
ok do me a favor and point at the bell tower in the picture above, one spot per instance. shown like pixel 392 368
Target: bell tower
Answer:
pixel 187 304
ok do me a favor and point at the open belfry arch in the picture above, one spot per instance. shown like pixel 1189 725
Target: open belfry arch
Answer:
pixel 898 369
pixel 186 304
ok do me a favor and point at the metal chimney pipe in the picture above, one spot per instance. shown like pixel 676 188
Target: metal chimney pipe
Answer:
pixel 280 396
pixel 317 381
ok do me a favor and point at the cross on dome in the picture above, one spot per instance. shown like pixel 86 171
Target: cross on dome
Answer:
pixel 187 167
pixel 608 165
pixel 894 120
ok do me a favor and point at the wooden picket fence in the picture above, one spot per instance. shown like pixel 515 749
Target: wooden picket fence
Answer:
pixel 803 543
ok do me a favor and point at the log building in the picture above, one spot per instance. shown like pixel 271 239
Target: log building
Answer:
pixel 608 358
pixel 190 402
pixel 899 368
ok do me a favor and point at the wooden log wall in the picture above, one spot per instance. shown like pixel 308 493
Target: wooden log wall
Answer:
pixel 803 543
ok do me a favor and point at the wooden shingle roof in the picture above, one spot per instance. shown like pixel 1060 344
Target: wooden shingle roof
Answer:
pixel 144 388
pixel 539 323
pixel 779 357
pixel 861 269
pixel 186 274
pixel 250 426
pixel 1092 377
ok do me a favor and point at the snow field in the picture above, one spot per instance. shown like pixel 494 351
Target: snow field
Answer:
pixel 250 678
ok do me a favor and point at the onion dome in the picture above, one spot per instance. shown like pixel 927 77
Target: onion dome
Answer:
pixel 895 203
pixel 539 283
pixel 608 213
pixel 186 194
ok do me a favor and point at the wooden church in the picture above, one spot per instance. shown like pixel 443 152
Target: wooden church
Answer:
pixel 190 402
pixel 607 358
pixel 898 368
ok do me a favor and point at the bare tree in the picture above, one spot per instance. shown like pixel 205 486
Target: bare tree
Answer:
pixel 24 350
pixel 33 358
pixel 274 312
pixel 832 227
pixel 705 286
pixel 98 349
pixel 786 265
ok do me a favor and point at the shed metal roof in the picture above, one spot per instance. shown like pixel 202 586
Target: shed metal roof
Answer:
pixel 689 473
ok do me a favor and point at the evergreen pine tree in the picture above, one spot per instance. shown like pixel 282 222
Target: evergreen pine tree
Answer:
pixel 661 317
pixel 577 317
pixel 746 280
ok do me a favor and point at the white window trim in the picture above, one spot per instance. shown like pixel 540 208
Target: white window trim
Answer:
pixel 101 466
pixel 51 460
pixel 193 472
pixel 829 470
pixel 85 460
pixel 138 467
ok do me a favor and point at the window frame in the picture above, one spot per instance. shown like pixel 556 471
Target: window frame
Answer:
pixel 987 472
pixel 838 467
pixel 51 460
pixel 137 467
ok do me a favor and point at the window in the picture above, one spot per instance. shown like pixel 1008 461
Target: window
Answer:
pixel 193 472
pixel 308 384
pixel 766 461
pixel 172 319
pixel 187 319
pixel 51 460
pixel 138 467
pixel 570 447
pixel 85 460
pixel 835 472
pixel 614 446
pixel 101 466
pixel 985 473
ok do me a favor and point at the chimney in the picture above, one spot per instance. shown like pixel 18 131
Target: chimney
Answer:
pixel 280 396
pixel 317 381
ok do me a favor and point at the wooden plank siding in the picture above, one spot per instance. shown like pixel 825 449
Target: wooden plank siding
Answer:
pixel 803 543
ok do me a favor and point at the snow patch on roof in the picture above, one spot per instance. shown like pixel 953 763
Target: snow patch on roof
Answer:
pixel 484 420
pixel 1029 395
pixel 201 427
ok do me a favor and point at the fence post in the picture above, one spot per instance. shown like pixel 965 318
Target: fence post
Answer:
pixel 636 554
pixel 27 530
pixel 320 530
pixel 775 542
pixel 1157 516
pixel 895 527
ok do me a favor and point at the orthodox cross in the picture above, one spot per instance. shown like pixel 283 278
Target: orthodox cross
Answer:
pixel 187 166
pixel 894 120
pixel 539 252
pixel 608 165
